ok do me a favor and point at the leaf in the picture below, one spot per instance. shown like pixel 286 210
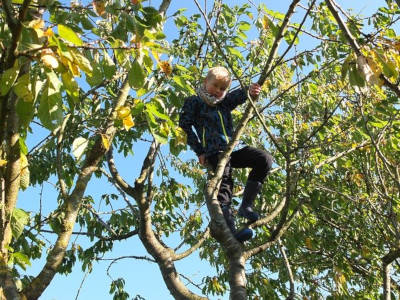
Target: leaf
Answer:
pixel 2 163
pixel 8 78
pixel 136 76
pixel 355 77
pixel 123 112
pixel 21 259
pixel 308 243
pixel 68 34
pixel 99 7
pixel 79 146
pixel 128 122
pixel 50 108
pixel 23 88
pixel 49 61
pixel 82 62
pixel 71 86
pixel 19 218
pixel 105 141
pixel 108 66
pixel 235 52
pixel 166 67
pixel 244 26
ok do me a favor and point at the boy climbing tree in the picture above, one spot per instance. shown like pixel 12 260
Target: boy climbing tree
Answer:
pixel 209 112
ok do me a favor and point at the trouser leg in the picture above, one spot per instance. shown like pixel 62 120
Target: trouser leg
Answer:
pixel 260 161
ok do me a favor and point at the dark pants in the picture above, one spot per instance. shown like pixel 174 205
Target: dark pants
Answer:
pixel 248 157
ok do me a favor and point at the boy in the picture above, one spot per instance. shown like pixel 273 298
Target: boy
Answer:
pixel 209 112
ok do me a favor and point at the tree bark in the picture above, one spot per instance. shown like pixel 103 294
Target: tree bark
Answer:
pixel 386 268
pixel 386 281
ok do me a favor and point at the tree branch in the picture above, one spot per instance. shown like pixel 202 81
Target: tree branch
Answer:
pixel 200 242
pixel 73 202
pixel 289 270
pixel 164 6
pixel 277 41
pixel 355 46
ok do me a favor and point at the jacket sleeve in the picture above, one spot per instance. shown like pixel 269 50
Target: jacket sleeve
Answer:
pixel 187 121
pixel 235 98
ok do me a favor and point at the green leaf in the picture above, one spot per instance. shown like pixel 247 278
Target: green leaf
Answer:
pixel 244 26
pixel 345 66
pixel 8 78
pixel 23 88
pixel 19 218
pixel 136 76
pixel 68 34
pixel 50 108
pixel 79 146
pixel 235 52
pixel 180 81
pixel 25 111
pixel 82 62
pixel 108 66
pixel 355 77
pixel 71 87
pixel 21 259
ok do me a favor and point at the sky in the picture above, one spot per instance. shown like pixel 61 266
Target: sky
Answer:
pixel 142 278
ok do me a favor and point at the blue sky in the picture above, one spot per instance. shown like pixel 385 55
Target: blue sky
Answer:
pixel 142 277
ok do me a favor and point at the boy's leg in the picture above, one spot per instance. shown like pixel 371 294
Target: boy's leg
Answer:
pixel 225 199
pixel 260 161
pixel 225 190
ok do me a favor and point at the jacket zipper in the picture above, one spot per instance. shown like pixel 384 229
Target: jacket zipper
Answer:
pixel 204 137
pixel 223 127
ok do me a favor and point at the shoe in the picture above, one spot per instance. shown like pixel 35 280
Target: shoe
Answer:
pixel 244 234
pixel 249 195
pixel 241 235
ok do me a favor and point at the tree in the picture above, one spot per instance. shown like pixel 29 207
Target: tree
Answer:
pixel 92 76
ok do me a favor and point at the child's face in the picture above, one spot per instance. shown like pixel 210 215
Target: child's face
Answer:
pixel 217 87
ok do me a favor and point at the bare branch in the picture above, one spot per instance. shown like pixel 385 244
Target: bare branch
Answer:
pixel 200 242
pixel 277 41
pixel 289 270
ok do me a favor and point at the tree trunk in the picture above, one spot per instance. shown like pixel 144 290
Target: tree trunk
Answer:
pixel 386 281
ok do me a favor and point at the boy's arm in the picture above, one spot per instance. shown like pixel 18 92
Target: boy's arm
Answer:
pixel 239 96
pixel 235 98
pixel 186 121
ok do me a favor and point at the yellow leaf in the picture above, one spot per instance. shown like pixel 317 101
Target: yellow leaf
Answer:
pixel 165 67
pixel 50 61
pixel 81 61
pixel 99 7
pixel 265 22
pixel 180 137
pixel 123 112
pixel 105 141
pixel 155 54
pixel 49 32
pixel 2 162
pixel 308 243
pixel 128 122
pixel 36 24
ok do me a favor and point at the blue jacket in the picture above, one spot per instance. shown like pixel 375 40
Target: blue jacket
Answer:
pixel 212 124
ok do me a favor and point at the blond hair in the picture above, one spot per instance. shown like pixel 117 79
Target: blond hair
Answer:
pixel 219 73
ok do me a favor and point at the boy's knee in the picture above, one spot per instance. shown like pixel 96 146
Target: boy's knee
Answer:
pixel 266 161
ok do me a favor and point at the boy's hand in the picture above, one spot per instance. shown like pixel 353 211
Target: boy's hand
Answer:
pixel 254 90
pixel 202 159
